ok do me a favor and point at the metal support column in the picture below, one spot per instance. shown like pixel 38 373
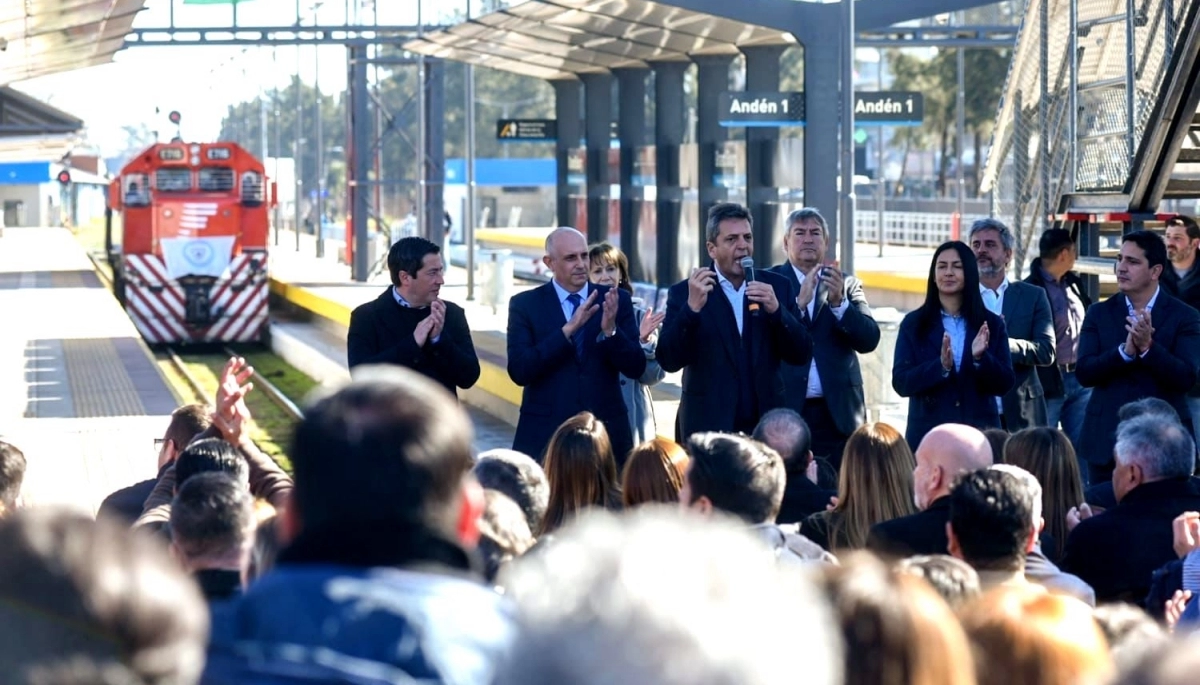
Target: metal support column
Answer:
pixel 631 132
pixel 822 59
pixel 669 127
pixel 762 143
pixel 1073 95
pixel 319 148
pixel 598 118
pixel 434 151
pixel 846 220
pixel 470 215
pixel 960 130
pixel 712 79
pixel 359 160
pixel 567 113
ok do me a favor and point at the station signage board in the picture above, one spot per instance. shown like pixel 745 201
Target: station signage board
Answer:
pixel 871 108
pixel 742 108
pixel 527 130
pixel 889 108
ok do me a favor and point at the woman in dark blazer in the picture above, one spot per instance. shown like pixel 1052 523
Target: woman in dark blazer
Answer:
pixel 952 359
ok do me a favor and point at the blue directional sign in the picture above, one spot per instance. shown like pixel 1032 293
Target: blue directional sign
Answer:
pixel 871 108
pixel 738 108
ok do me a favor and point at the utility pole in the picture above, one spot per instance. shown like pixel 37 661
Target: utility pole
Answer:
pixel 468 220
pixel 846 234
pixel 318 208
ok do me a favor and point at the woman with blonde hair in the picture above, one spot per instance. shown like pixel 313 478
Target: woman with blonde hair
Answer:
pixel 609 266
pixel 875 485
pixel 1047 454
pixel 654 472
pixel 581 471
pixel 1029 636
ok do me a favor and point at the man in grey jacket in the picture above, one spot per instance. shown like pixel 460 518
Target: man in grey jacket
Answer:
pixel 1028 321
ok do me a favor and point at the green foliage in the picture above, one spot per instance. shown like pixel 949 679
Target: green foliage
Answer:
pixel 984 74
pixel 499 94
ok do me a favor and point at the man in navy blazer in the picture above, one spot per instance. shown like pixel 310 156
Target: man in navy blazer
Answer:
pixel 828 392
pixel 1138 343
pixel 729 335
pixel 568 344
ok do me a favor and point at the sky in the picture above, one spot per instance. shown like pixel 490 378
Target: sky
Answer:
pixel 201 82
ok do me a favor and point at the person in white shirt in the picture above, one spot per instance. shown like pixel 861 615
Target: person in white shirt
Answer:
pixel 828 391
pixel 1028 320
pixel 729 333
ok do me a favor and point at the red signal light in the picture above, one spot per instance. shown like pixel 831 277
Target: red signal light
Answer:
pixel 175 117
pixel 64 177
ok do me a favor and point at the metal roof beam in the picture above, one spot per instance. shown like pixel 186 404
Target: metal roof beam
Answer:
pixel 268 35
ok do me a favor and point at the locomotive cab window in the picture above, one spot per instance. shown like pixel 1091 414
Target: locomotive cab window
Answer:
pixel 216 179
pixel 253 192
pixel 173 180
pixel 137 190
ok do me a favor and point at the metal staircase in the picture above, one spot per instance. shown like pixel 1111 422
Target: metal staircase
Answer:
pixel 1097 125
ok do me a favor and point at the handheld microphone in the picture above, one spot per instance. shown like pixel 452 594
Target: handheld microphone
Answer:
pixel 748 267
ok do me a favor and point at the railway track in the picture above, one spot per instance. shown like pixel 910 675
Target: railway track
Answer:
pixel 194 374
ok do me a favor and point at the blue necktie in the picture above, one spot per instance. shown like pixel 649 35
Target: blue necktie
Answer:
pixel 575 300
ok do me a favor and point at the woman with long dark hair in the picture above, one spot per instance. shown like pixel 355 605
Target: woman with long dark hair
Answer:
pixel 952 358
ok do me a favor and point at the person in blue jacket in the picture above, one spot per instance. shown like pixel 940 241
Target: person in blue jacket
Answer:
pixel 952 358
pixel 377 581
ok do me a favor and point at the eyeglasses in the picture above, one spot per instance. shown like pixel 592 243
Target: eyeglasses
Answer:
pixel 158 443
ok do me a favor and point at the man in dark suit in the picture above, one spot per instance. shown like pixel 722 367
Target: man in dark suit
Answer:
pixel 828 392
pixel 408 325
pixel 945 453
pixel 1138 343
pixel 1066 399
pixel 1117 551
pixel 784 431
pixel 1183 281
pixel 568 359
pixel 730 342
pixel 1027 320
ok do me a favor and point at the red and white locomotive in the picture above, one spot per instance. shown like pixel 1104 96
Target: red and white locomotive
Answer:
pixel 190 264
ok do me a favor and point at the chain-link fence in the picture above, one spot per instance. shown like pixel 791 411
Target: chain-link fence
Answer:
pixel 1109 84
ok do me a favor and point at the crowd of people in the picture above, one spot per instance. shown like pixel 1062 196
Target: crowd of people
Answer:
pixel 779 537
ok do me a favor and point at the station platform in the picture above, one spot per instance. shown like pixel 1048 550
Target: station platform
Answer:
pixel 80 394
pixel 321 290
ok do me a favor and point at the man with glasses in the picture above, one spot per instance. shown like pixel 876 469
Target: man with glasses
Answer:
pixel 1182 280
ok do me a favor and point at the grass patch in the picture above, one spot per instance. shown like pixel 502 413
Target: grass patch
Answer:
pixel 271 428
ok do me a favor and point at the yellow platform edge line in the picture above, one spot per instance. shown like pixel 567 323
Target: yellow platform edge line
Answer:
pixel 308 300
pixel 880 280
pixel 493 379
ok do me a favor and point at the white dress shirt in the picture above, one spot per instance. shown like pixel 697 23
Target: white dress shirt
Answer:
pixel 1130 309
pixel 994 301
pixel 814 379
pixel 737 296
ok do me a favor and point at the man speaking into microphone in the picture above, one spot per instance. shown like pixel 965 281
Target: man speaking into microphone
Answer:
pixel 728 327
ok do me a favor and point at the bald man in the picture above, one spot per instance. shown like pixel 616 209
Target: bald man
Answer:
pixel 569 342
pixel 945 453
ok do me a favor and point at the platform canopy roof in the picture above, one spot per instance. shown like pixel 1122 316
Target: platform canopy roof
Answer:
pixel 555 39
pixel 31 130
pixel 41 37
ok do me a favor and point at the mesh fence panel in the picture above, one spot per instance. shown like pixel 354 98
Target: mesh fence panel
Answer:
pixel 1115 99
